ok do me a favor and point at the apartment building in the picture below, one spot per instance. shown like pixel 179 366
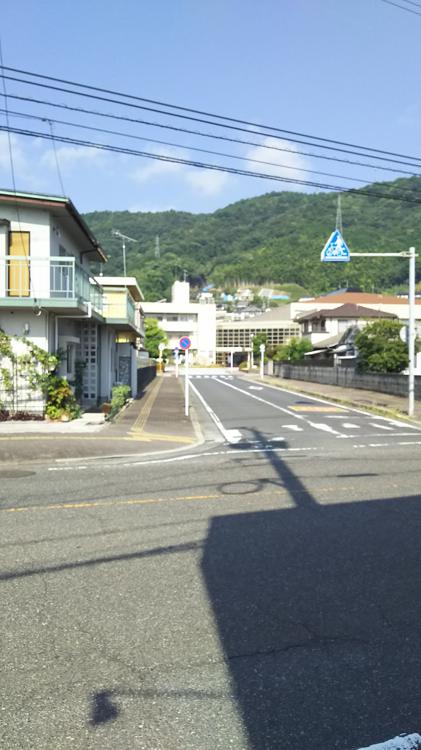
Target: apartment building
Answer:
pixel 49 295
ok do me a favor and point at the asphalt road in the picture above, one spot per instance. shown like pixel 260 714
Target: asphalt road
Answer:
pixel 262 591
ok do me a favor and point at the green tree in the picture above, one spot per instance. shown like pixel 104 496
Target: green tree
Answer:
pixel 154 335
pixel 294 351
pixel 380 348
pixel 258 338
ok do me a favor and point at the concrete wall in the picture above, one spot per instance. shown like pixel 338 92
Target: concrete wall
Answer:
pixel 347 377
pixel 25 323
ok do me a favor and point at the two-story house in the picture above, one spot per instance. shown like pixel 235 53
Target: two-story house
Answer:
pixel 49 295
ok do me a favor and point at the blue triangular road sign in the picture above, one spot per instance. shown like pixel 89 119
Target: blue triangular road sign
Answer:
pixel 335 248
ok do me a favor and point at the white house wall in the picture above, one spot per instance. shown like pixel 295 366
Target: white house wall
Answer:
pixel 24 323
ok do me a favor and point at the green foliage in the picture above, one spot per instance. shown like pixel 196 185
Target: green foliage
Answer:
pixel 154 335
pixel 380 348
pixel 258 339
pixel 272 240
pixel 61 401
pixel 294 351
pixel 120 394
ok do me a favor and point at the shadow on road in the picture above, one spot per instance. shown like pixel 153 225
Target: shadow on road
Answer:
pixel 319 615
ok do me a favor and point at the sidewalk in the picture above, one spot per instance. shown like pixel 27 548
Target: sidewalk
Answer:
pixel 153 423
pixel 382 403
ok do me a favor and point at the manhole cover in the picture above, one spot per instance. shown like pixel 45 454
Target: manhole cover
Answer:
pixel 15 474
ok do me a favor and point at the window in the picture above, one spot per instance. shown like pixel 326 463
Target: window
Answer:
pixel 19 278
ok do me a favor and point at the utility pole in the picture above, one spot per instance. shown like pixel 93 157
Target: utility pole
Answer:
pixel 124 238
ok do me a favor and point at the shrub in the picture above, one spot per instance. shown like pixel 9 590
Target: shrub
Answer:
pixel 60 399
pixel 119 396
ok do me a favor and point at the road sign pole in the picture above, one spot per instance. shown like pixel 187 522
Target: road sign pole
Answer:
pixel 330 253
pixel 411 332
pixel 186 383
pixel 262 360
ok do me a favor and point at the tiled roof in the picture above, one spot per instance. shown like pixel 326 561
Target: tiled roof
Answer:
pixel 359 298
pixel 348 310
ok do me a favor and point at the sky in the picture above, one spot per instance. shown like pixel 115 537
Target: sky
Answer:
pixel 341 69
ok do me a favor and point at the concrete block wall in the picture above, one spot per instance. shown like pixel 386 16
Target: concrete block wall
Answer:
pixel 348 377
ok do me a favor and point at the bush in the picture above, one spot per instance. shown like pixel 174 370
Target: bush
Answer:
pixel 60 399
pixel 120 394
pixel 243 365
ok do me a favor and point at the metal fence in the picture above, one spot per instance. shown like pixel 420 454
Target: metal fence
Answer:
pixel 21 399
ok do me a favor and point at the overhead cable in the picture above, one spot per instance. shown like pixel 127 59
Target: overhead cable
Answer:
pixel 209 122
pixel 214 167
pixel 285 132
pixel 213 136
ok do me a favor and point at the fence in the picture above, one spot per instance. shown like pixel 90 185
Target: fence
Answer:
pixel 346 377
pixel 20 399
pixel 144 376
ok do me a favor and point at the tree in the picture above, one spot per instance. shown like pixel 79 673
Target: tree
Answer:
pixel 258 338
pixel 294 351
pixel 154 335
pixel 380 348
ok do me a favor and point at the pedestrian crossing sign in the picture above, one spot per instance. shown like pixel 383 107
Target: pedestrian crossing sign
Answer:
pixel 336 248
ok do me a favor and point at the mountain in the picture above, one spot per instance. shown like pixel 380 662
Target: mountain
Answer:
pixel 274 238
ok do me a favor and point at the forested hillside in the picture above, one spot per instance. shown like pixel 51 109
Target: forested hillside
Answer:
pixel 275 238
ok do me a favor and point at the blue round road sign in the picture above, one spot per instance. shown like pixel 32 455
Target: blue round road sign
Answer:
pixel 185 342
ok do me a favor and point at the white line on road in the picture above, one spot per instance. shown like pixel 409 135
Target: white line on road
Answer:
pixel 351 425
pixel 231 436
pixel 381 426
pixel 294 427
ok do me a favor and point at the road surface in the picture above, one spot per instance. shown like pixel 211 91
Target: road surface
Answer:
pixel 261 591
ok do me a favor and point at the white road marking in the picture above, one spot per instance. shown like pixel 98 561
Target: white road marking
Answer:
pixel 255 388
pixel 381 426
pixel 404 742
pixel 325 428
pixel 351 426
pixel 339 406
pixel 294 427
pixel 231 436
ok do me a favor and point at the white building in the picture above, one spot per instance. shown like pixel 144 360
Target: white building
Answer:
pixel 180 317
pixel 236 337
pixel 49 295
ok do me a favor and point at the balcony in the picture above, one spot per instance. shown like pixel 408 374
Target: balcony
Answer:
pixel 55 283
pixel 120 311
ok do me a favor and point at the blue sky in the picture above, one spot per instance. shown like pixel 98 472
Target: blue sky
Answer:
pixel 342 69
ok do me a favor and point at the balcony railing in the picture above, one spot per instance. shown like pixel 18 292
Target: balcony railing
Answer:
pixel 122 308
pixel 54 278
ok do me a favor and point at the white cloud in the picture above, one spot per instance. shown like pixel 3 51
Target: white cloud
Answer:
pixel 207 181
pixel 150 169
pixel 282 163
pixel 69 156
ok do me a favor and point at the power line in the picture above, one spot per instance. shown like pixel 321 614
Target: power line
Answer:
pixel 402 7
pixel 213 136
pixel 209 122
pixel 204 113
pixel 179 145
pixel 213 167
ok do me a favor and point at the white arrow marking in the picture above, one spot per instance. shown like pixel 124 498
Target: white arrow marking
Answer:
pixel 324 427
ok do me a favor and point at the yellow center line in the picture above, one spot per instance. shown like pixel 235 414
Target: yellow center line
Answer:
pixel 105 503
